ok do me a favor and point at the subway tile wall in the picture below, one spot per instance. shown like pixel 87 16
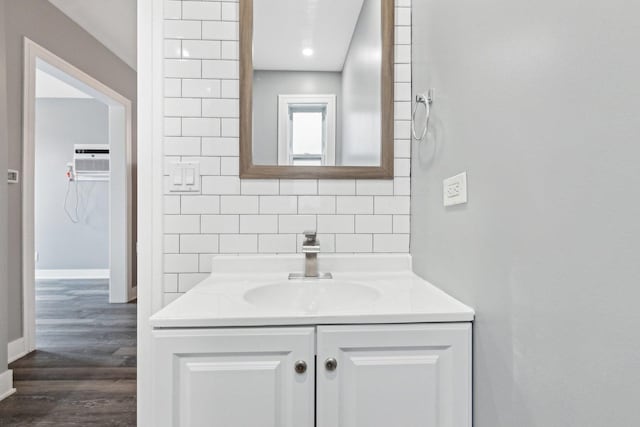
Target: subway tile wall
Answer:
pixel 233 216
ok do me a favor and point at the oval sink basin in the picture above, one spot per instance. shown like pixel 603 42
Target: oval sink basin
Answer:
pixel 311 295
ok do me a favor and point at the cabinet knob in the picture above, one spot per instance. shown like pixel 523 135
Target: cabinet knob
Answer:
pixel 331 364
pixel 301 366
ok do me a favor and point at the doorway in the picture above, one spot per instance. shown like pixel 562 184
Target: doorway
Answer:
pixel 93 241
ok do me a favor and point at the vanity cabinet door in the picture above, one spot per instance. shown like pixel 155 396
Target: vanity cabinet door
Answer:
pixel 234 377
pixel 394 375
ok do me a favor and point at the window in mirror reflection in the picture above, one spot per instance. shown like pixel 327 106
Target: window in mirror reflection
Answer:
pixel 306 131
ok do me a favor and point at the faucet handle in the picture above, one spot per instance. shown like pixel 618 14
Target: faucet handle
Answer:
pixel 310 236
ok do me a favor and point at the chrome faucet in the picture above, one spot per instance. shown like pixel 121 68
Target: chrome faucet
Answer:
pixel 310 249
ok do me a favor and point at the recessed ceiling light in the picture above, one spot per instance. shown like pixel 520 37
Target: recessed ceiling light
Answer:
pixel 307 51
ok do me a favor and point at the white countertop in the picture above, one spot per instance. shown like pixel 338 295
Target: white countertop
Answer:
pixel 403 297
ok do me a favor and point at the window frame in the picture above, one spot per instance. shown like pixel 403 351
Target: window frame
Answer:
pixel 285 131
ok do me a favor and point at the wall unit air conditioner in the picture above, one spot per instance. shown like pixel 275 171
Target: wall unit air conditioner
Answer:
pixel 91 162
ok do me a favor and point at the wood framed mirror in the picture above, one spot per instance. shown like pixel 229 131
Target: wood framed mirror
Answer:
pixel 316 89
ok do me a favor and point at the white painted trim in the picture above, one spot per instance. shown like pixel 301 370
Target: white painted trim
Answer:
pixel 6 385
pixel 150 192
pixel 284 130
pixel 71 274
pixel 16 350
pixel 32 53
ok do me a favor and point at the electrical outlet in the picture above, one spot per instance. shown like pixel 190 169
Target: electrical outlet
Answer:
pixel 13 176
pixel 454 190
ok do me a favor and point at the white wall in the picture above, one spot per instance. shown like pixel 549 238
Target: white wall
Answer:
pixel 61 244
pixel 267 85
pixel 361 100
pixel 268 216
pixel 540 103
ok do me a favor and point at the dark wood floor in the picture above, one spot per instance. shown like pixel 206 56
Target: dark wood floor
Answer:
pixel 84 371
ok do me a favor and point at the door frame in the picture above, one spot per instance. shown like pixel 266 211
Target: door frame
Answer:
pixel 32 53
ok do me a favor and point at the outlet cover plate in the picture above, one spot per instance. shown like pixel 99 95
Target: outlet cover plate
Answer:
pixel 454 190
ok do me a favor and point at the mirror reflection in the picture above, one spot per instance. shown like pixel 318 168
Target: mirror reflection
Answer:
pixel 317 82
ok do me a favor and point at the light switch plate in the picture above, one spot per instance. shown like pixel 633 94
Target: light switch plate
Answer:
pixel 454 190
pixel 185 177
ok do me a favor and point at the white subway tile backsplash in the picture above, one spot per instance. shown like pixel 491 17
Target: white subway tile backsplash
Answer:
pixel 172 49
pixel 277 243
pixel 181 146
pixel 278 205
pixel 298 187
pixel 220 108
pixel 201 88
pixel 402 224
pixel 258 224
pixel 220 69
pixel 402 167
pixel 199 126
pixel 234 216
pixel 402 186
pixel 229 166
pixel 230 50
pixel 196 205
pixel 175 29
pixel 221 224
pixel 171 244
pixel 336 224
pixel 259 186
pixel 230 11
pixel 219 30
pixel 220 185
pixel 355 205
pixel 201 49
pixel 186 281
pixel 238 244
pixel 172 88
pixel 198 243
pixel 316 205
pixel 396 243
pixel 181 263
pixel 220 147
pixel 182 224
pixel 296 224
pixel 374 224
pixel 392 205
pixel 171 204
pixel 373 187
pixel 201 10
pixel 239 204
pixel 170 282
pixel 172 9
pixel 182 68
pixel 337 186
pixel 354 243
pixel 230 89
pixel 231 127
pixel 182 107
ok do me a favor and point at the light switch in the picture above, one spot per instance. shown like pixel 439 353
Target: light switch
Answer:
pixel 454 190
pixel 189 176
pixel 185 177
pixel 177 176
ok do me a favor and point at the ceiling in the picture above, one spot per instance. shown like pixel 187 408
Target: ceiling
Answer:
pixel 48 86
pixel 283 28
pixel 112 22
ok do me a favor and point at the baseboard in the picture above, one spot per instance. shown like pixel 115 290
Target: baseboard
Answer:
pixel 6 385
pixel 71 274
pixel 16 349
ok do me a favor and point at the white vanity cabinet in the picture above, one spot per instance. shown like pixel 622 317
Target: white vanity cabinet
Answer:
pixel 404 375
